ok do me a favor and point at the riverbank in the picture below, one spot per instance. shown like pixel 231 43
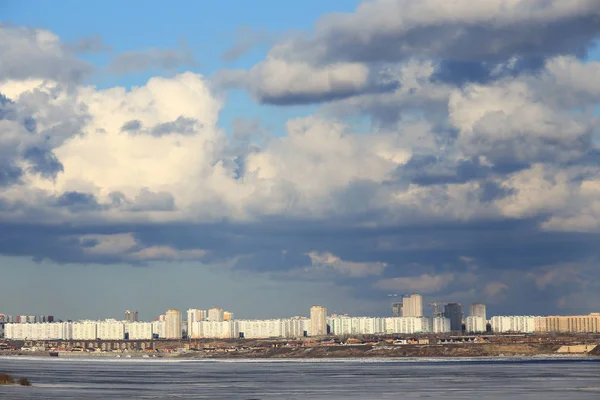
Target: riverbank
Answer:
pixel 352 351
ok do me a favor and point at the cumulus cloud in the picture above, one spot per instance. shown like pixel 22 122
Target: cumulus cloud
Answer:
pixel 483 144
pixel 277 81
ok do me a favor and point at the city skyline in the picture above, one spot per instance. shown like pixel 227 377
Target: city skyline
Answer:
pixel 216 323
pixel 268 158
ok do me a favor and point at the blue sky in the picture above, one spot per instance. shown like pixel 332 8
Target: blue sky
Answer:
pixel 208 28
pixel 384 146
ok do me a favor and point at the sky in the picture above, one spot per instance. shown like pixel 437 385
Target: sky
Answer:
pixel 267 156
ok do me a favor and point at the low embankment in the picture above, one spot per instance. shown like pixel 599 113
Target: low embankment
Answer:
pixel 445 350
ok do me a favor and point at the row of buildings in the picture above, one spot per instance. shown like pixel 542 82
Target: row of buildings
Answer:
pixel 218 323
pixel 170 327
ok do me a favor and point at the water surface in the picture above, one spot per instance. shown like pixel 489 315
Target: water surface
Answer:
pixel 313 379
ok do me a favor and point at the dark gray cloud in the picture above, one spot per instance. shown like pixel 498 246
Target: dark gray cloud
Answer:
pixel 77 201
pixel 182 126
pixel 9 174
pixel 131 126
pixel 44 162
pixel 493 31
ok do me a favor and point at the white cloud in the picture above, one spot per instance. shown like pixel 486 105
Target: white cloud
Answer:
pixel 126 247
pixel 276 80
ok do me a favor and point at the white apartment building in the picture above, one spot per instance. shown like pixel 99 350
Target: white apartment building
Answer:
pixel 295 327
pixel 412 306
pixel 215 329
pixel 343 325
pixel 85 330
pixel 110 329
pixel 414 325
pixel 194 315
pixel 475 324
pixel 39 331
pixel 159 329
pixel 257 328
pixel 514 323
pixel 216 315
pixel 139 330
pixel 173 324
pixel 318 321
pixel 440 325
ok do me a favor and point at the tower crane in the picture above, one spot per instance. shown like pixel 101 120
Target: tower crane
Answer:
pixel 435 305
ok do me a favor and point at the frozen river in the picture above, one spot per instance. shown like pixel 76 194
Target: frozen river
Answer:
pixel 326 379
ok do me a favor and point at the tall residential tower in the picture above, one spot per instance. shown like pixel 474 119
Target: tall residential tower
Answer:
pixel 318 321
pixel 173 324
pixel 412 306
pixel 131 316
pixel 478 310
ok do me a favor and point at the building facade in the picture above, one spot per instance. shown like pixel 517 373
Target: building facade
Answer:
pixel 131 316
pixel 318 321
pixel 216 315
pixel 453 311
pixel 39 331
pixel 343 325
pixel 475 324
pixel 570 324
pixel 173 324
pixel 139 330
pixel 110 329
pixel 85 330
pixel 194 315
pixel 397 309
pixel 478 310
pixel 412 306
pixel 514 323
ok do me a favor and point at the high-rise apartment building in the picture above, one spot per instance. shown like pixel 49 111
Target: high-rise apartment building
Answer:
pixel 228 316
pixel 194 315
pixel 131 316
pixel 478 310
pixel 318 321
pixel 173 324
pixel 453 311
pixel 412 306
pixel 216 315
pixel 396 309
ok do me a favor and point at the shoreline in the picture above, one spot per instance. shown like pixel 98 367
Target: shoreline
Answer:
pixel 366 360
pixel 445 351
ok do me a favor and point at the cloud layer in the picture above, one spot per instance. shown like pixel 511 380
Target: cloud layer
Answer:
pixel 479 179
